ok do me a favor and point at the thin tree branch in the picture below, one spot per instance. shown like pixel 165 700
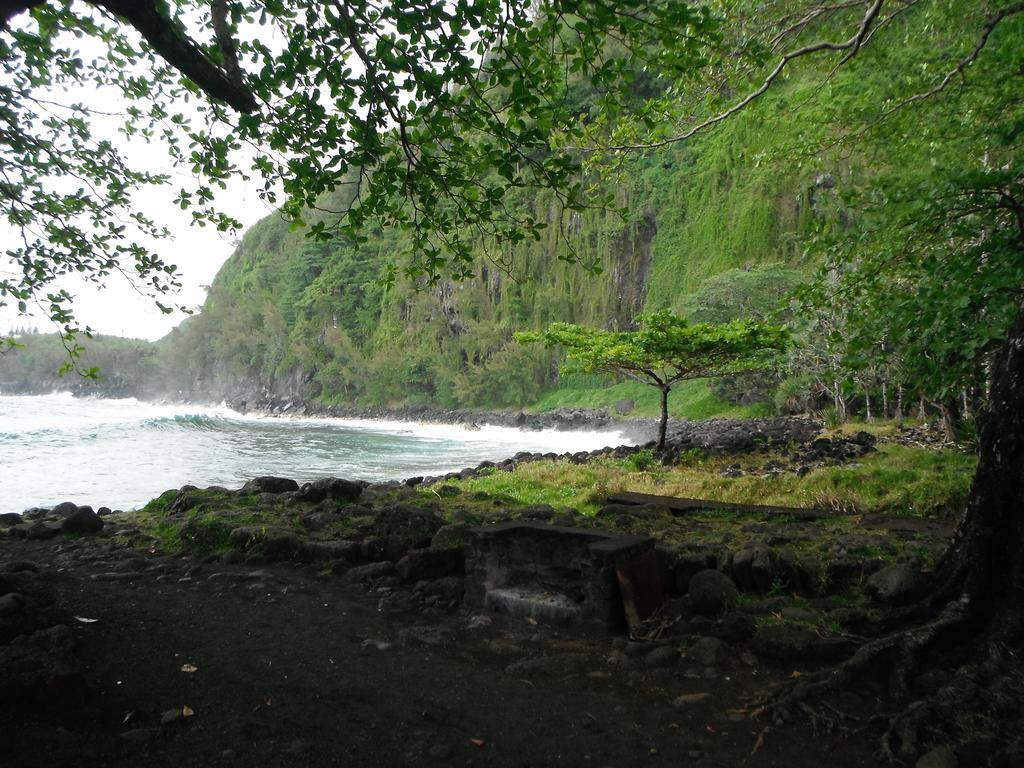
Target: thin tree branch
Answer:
pixel 992 22
pixel 851 46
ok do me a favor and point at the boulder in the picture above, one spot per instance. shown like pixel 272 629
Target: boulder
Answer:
pixel 341 549
pixel 330 488
pixel 269 484
pixel 10 518
pixel 280 545
pixel 245 537
pixel 707 651
pixel 686 565
pixel 411 527
pixel 899 584
pixel 429 564
pixel 536 512
pixel 64 509
pixel 183 501
pixel 316 521
pixel 83 521
pixel 448 589
pixel 451 537
pixel 735 627
pixel 712 592
pixel 370 572
pixel 689 699
pixel 40 530
pixel 665 656
pixel 11 604
pixel 752 569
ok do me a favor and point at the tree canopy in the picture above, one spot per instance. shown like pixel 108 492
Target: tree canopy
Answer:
pixel 664 349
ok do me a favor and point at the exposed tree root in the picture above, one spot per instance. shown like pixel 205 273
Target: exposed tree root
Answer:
pixel 976 701
pixel 868 658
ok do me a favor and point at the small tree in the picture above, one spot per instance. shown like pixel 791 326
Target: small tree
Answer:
pixel 664 349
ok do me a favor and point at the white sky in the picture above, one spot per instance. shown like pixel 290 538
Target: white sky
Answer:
pixel 119 308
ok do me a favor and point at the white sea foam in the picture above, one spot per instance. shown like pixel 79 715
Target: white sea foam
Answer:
pixel 121 453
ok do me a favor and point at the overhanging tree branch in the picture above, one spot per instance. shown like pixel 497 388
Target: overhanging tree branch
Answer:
pixel 991 23
pixel 169 40
pixel 851 46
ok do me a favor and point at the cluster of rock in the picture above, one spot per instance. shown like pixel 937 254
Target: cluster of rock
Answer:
pixel 37 657
pixel 712 436
pixel 386 539
pixel 396 544
pixel 37 652
pixel 716 437
pixel 47 522
pixel 802 458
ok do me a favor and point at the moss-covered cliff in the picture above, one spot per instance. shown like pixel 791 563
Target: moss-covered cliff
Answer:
pixel 295 317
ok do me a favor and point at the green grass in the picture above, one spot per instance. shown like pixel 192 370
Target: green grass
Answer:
pixel 895 479
pixel 688 400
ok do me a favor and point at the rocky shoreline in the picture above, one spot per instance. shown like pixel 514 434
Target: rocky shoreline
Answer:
pixel 221 625
pixel 158 627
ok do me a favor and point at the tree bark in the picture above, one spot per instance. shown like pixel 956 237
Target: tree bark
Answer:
pixel 990 540
pixel 950 416
pixel 169 40
pixel 663 423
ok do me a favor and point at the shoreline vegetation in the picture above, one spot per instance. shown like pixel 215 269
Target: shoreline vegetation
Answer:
pixel 912 470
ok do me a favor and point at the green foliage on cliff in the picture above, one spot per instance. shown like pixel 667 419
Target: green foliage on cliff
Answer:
pixel 291 316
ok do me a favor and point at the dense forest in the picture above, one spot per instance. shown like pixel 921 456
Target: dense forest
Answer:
pixel 725 226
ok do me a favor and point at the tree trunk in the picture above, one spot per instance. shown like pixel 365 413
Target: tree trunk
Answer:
pixel 898 415
pixel 990 540
pixel 867 404
pixel 971 626
pixel 950 416
pixel 663 424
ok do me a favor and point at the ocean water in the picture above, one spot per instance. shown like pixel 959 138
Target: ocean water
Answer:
pixel 122 453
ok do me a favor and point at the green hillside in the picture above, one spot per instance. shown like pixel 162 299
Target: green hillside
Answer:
pixel 295 317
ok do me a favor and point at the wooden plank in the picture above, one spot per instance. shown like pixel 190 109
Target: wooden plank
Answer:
pixel 678 505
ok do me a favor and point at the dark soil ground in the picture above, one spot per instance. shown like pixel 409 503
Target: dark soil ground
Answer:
pixel 295 667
